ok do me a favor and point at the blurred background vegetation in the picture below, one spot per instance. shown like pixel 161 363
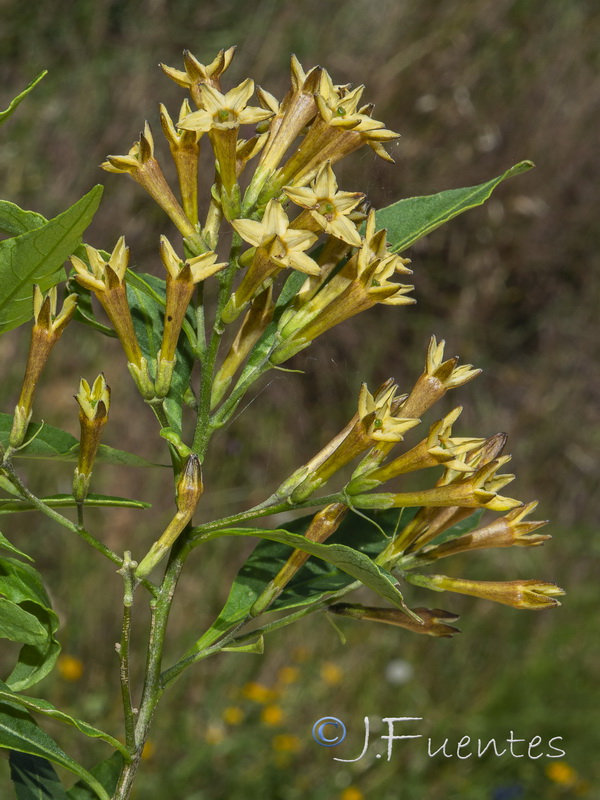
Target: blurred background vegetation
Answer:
pixel 473 86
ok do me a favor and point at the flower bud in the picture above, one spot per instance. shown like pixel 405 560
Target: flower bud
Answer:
pixel 189 492
pixel 94 404
pixel 434 621
pixel 47 330
pixel 322 526
pixel 531 595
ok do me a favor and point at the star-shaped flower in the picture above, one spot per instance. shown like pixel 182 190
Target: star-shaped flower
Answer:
pixel 328 206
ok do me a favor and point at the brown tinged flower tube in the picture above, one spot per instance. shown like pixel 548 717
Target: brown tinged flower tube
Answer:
pixel 531 595
pixel 47 330
pixel 106 279
pixel 434 620
pixel 509 531
pixel 185 150
pixel 94 404
pixel 323 525
pixel 141 164
pixel 439 376
pixel 189 492
pixel 376 420
pixel 182 277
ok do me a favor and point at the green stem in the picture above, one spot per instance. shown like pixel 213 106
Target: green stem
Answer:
pixel 67 523
pixel 204 429
pixel 152 690
pixel 197 534
pixel 173 672
pixel 123 651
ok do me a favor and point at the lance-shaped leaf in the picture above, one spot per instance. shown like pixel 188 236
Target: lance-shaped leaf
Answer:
pixel 10 506
pixel 22 584
pixel 6 545
pixel 15 221
pixel 34 778
pixel 36 661
pixel 19 731
pixel 4 115
pixel 409 220
pixel 317 578
pixel 45 708
pixel 38 257
pixel 54 443
pixel 19 625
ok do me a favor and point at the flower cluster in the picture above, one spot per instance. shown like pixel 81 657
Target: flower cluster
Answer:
pixel 306 255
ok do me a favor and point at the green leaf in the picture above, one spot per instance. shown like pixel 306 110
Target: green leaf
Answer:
pixel 68 501
pixel 6 545
pixel 147 301
pixel 19 625
pixel 40 706
pixel 36 661
pixel 15 221
pixel 106 773
pixel 4 115
pixel 316 579
pixel 19 731
pixel 34 778
pixel 54 443
pixel 22 584
pixel 409 220
pixel 38 257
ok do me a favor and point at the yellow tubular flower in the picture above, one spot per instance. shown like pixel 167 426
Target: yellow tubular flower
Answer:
pixel 47 330
pixel 440 447
pixel 143 167
pixel 524 594
pixel 94 404
pixel 429 522
pixel 434 622
pixel 339 129
pixel 197 75
pixel 341 300
pixel 328 207
pixel 478 490
pixel 277 247
pixel 189 492
pixel 508 531
pixel 322 526
pixel 297 109
pixel 106 279
pixel 182 277
pixel 222 115
pixel 375 421
pixel 439 376
pixel 185 150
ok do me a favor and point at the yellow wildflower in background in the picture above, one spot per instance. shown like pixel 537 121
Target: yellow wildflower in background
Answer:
pixel 272 715
pixel 233 715
pixel 289 674
pixel 258 693
pixel 562 773
pixel 69 668
pixel 331 674
pixel 352 793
